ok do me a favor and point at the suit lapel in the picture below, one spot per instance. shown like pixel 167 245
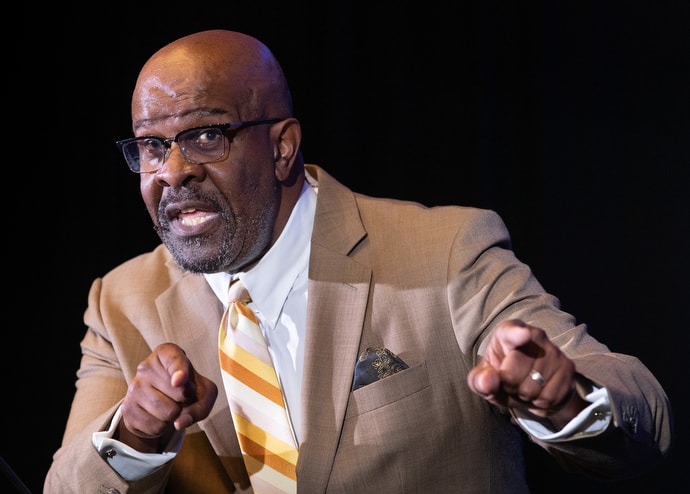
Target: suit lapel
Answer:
pixel 190 314
pixel 338 293
pixel 335 318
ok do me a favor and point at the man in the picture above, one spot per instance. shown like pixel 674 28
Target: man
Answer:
pixel 482 354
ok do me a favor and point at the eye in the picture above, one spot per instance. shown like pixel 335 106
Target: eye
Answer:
pixel 205 139
pixel 150 148
pixel 150 144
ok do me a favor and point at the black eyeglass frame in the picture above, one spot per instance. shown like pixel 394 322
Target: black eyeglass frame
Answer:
pixel 167 142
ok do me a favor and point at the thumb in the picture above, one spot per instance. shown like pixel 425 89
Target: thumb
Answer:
pixel 484 379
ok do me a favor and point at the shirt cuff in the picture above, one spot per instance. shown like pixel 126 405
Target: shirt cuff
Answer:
pixel 129 463
pixel 590 421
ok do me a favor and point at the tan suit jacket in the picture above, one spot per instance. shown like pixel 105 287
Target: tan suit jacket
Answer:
pixel 427 283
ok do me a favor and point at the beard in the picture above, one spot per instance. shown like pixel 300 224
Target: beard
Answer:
pixel 198 254
pixel 238 243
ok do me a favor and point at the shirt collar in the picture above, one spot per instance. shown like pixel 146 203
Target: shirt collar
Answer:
pixel 270 280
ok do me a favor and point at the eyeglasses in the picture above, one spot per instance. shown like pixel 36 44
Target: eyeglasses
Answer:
pixel 198 145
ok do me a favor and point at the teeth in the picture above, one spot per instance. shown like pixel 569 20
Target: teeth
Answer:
pixel 188 210
pixel 192 220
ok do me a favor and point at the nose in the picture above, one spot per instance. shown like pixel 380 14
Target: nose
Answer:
pixel 176 170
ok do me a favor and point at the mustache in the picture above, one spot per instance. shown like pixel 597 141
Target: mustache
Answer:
pixel 215 201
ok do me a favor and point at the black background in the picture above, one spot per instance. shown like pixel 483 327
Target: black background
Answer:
pixel 569 118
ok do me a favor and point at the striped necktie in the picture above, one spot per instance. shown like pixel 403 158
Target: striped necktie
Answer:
pixel 256 402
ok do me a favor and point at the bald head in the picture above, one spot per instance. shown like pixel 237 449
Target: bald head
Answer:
pixel 231 66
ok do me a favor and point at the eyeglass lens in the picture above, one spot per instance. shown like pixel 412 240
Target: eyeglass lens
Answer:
pixel 197 146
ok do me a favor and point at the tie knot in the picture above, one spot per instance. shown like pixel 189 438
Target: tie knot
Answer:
pixel 238 292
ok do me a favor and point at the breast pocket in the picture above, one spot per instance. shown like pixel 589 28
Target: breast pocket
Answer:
pixel 388 390
pixel 386 421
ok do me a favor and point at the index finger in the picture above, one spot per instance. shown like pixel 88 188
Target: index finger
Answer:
pixel 510 335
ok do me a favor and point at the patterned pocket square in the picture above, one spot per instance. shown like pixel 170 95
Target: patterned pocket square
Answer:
pixel 374 364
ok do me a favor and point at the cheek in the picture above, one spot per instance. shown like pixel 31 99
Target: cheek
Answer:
pixel 246 175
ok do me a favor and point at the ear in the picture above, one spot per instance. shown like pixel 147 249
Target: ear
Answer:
pixel 286 143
